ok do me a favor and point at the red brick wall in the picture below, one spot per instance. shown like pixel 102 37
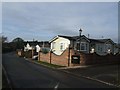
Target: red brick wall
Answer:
pixel 61 59
pixel 85 59
pixel 44 57
pixel 88 59
pixel 55 59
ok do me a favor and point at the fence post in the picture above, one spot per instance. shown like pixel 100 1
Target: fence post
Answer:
pixel 39 56
pixel 50 56
pixel 69 56
pixel 32 52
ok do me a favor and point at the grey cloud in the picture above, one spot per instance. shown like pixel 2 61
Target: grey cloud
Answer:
pixel 50 19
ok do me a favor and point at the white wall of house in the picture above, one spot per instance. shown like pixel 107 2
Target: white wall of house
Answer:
pixel 37 48
pixel 27 47
pixel 59 45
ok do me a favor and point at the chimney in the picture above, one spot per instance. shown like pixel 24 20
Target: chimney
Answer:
pixel 88 35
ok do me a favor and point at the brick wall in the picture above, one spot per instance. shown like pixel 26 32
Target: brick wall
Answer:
pixel 61 59
pixel 85 59
pixel 55 59
pixel 27 54
pixel 20 53
pixel 88 59
pixel 44 57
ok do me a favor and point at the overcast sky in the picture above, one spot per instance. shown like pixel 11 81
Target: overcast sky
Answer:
pixel 43 21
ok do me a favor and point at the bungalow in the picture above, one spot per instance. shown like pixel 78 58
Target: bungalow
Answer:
pixel 102 46
pixel 83 44
pixel 29 45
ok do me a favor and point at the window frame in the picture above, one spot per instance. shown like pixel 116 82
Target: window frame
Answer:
pixel 63 46
pixel 108 47
pixel 99 48
pixel 85 46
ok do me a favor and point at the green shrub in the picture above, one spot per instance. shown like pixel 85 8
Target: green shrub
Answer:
pixel 45 51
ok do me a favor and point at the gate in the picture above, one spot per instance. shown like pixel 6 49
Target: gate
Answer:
pixel 75 59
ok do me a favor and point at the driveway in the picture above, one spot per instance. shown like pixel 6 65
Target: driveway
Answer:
pixel 105 73
pixel 24 74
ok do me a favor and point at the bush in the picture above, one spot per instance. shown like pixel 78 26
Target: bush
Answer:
pixel 45 51
pixel 28 54
pixel 6 49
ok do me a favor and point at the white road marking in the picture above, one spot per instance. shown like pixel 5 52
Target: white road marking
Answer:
pixel 56 86
pixel 7 77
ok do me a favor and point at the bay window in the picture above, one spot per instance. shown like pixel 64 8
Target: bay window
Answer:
pixel 83 46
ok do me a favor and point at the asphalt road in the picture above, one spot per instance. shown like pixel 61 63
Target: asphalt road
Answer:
pixel 106 73
pixel 25 74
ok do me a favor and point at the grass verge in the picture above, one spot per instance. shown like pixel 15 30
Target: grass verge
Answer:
pixel 48 64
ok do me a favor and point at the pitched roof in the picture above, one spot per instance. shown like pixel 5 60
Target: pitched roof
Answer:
pixel 103 40
pixel 117 45
pixel 34 43
pixel 83 36
pixel 100 40
pixel 69 37
pixel 73 37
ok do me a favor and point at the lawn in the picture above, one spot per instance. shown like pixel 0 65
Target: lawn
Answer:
pixel 49 65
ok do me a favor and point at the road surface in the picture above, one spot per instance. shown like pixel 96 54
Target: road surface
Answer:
pixel 25 74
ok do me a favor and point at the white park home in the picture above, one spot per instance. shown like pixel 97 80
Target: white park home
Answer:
pixel 101 46
pixel 59 44
pixel 27 47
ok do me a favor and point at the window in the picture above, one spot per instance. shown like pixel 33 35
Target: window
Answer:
pixel 108 48
pixel 100 48
pixel 83 46
pixel 61 46
pixel 78 46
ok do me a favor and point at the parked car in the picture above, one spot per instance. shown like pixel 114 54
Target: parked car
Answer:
pixel 35 57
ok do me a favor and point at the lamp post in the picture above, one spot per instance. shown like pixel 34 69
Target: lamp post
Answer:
pixel 80 31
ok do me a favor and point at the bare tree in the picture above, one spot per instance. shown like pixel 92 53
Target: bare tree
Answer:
pixel 4 39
